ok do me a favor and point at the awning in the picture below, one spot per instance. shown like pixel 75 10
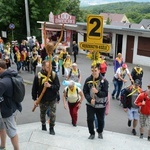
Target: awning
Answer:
pixel 50 29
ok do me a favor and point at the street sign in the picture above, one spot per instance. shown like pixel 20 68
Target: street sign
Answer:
pixel 101 47
pixel 11 26
pixel 95 28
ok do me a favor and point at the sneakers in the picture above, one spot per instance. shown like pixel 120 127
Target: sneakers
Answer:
pixel 92 136
pixel 74 124
pixel 100 135
pixel 141 136
pixel 113 97
pixel 129 123
pixel 117 98
pixel 44 127
pixel 133 131
pixel 51 131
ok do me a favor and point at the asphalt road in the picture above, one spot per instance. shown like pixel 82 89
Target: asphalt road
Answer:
pixel 116 121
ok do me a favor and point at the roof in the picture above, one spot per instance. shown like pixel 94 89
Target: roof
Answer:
pixel 145 23
pixel 113 17
pixel 128 25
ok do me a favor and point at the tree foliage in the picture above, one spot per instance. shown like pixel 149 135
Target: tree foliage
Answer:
pixel 133 10
pixel 13 11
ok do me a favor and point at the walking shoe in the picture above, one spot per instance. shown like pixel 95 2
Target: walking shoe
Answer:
pixel 148 138
pixel 112 97
pixel 74 124
pixel 141 136
pixel 117 98
pixel 44 127
pixel 129 123
pixel 92 136
pixel 51 131
pixel 134 131
pixel 100 135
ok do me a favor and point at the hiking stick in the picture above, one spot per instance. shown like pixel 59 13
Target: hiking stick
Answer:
pixel 49 50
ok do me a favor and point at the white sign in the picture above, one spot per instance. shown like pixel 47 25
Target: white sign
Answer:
pixel 4 34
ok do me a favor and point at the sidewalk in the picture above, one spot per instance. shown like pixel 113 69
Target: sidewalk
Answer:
pixel 67 137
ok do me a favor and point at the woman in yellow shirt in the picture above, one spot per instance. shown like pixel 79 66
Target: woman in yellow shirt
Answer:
pixel 67 63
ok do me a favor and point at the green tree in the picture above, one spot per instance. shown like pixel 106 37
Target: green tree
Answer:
pixel 13 11
pixel 108 21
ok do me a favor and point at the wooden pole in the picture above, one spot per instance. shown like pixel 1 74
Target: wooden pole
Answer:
pixel 49 50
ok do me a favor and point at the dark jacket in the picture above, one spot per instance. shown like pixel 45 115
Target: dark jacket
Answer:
pixel 136 75
pixel 102 94
pixel 129 101
pixel 50 93
pixel 7 106
pixel 75 49
pixel 54 66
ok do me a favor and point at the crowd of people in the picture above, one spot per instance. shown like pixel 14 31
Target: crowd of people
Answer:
pixel 95 89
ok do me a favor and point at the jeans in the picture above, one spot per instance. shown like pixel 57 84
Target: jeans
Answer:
pixel 117 87
pixel 18 63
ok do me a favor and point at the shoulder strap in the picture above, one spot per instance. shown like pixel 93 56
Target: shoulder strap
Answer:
pixel 53 75
pixel 67 91
pixel 78 72
pixel 70 73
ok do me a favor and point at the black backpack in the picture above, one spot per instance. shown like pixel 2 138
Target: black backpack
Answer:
pixel 18 88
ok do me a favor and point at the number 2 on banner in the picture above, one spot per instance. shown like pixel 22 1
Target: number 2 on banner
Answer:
pixel 95 29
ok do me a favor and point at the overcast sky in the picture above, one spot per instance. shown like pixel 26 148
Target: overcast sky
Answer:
pixel 95 2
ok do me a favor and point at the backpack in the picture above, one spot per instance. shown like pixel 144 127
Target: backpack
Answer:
pixel 123 94
pixel 71 73
pixel 18 88
pixel 67 92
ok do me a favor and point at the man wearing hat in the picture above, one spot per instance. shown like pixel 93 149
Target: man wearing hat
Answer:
pixel 119 80
pixel 143 101
pixel 137 73
pixel 131 94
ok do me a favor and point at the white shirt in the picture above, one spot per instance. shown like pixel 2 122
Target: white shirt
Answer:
pixel 121 72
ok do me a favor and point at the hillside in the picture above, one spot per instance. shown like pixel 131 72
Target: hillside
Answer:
pixel 134 11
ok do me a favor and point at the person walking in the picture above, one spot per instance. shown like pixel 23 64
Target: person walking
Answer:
pixel 74 73
pixel 74 96
pixel 118 62
pixel 56 65
pixel 49 98
pixel 62 57
pixel 67 63
pixel 75 51
pixel 119 80
pixel 143 102
pixel 137 73
pixel 131 94
pixel 95 90
pixel 8 107
pixel 103 66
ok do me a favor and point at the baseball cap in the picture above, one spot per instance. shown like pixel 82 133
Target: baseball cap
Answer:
pixel 124 65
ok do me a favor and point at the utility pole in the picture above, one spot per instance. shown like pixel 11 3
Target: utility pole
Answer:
pixel 27 18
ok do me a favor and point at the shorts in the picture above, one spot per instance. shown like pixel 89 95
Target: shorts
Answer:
pixel 9 124
pixel 143 119
pixel 133 113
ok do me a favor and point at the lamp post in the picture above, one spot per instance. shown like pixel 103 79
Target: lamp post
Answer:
pixel 27 18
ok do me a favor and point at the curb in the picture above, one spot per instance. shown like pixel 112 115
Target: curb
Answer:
pixel 28 82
